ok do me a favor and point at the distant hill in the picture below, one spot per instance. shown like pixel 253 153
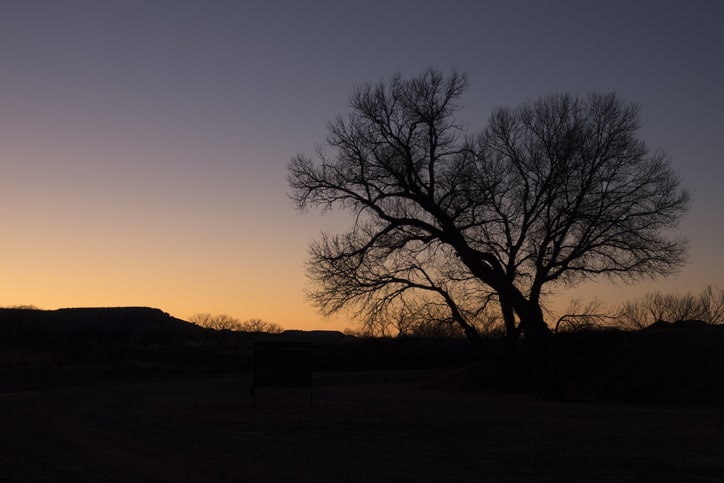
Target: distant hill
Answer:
pixel 16 325
pixel 99 337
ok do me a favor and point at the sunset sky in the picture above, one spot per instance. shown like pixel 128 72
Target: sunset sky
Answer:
pixel 144 144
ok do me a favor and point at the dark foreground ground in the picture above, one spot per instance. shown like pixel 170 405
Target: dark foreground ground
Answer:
pixel 363 426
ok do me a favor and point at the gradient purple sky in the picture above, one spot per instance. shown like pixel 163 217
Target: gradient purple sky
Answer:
pixel 144 144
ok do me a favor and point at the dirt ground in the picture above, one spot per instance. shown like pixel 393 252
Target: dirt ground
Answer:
pixel 377 426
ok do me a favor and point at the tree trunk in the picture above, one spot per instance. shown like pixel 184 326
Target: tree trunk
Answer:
pixel 540 345
pixel 511 342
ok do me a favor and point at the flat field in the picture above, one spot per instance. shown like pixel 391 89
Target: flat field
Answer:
pixel 362 426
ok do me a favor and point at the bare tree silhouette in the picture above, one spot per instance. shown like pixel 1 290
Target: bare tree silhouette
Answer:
pixel 216 322
pixel 584 317
pixel 555 191
pixel 226 322
pixel 707 306
pixel 258 325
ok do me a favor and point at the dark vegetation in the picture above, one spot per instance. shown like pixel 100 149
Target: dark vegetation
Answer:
pixel 226 322
pixel 453 223
pixel 665 363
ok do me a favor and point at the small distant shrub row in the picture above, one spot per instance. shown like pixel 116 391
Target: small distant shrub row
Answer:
pixel 226 322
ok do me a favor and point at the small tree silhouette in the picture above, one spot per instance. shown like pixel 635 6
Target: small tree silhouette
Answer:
pixel 707 306
pixel 258 325
pixel 226 322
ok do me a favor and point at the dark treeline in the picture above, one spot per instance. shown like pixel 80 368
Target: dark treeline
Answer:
pixel 667 363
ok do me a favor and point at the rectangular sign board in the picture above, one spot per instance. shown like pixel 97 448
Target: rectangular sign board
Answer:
pixel 282 364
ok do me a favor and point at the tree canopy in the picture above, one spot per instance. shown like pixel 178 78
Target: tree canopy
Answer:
pixel 554 191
